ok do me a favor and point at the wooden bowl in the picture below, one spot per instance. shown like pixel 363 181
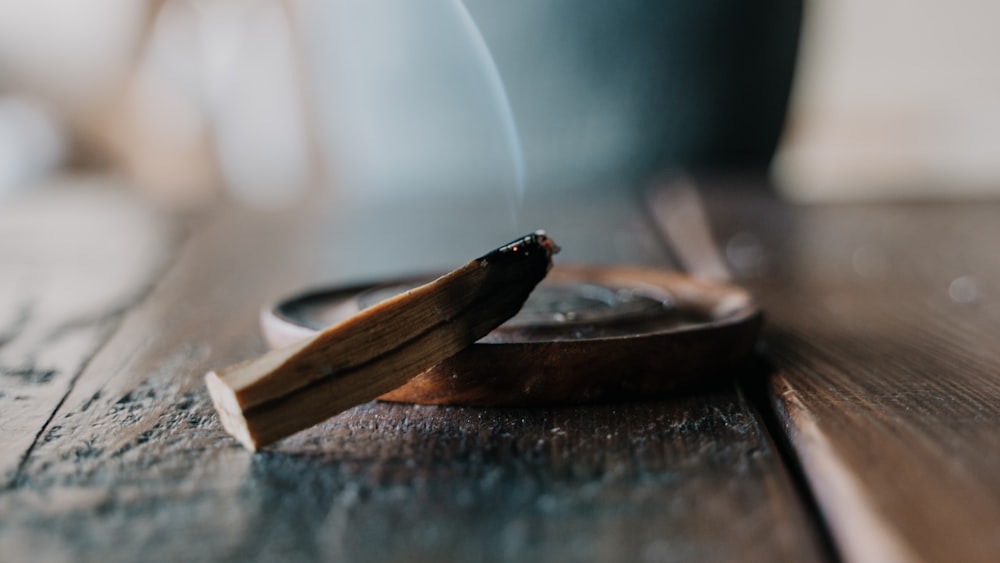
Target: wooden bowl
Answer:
pixel 587 333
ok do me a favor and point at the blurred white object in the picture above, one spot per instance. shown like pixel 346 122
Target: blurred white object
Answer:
pixel 218 78
pixel 184 95
pixel 254 98
pixel 895 99
pixel 32 144
pixel 73 53
pixel 164 143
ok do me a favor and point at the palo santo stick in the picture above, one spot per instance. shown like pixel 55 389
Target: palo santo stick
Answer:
pixel 287 390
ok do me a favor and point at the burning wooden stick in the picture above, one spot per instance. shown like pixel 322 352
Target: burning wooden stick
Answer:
pixel 381 348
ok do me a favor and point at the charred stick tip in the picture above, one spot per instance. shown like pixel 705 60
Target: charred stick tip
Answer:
pixel 536 243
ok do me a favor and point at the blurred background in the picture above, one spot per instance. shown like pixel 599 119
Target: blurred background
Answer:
pixel 189 102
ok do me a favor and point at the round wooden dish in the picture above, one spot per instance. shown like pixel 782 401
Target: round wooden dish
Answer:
pixel 586 333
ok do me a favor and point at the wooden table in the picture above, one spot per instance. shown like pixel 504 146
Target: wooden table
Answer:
pixel 871 434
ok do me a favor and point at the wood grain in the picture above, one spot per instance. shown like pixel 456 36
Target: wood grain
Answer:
pixel 134 463
pixel 883 331
pixel 66 276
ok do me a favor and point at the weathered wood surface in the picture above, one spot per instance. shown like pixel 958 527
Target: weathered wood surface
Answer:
pixel 72 260
pixel 884 329
pixel 134 464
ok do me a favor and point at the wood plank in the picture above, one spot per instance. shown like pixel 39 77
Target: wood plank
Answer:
pixel 68 273
pixel 884 333
pixel 136 464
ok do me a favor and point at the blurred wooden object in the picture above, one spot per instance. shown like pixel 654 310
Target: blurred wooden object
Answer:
pixel 588 333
